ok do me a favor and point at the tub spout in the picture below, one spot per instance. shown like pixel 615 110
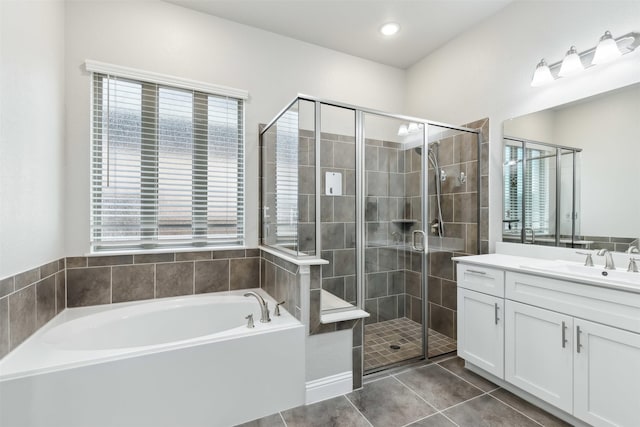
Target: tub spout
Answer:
pixel 264 307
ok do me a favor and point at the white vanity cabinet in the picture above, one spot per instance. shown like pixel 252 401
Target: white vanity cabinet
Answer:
pixel 481 330
pixel 574 346
pixel 480 317
pixel 539 353
pixel 606 371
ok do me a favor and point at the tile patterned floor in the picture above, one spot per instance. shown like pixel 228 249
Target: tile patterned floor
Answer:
pixel 378 337
pixel 442 394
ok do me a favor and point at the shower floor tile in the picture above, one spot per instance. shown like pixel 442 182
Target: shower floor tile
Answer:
pixel 402 332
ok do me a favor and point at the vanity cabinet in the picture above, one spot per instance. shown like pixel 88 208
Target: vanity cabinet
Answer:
pixel 571 345
pixel 481 330
pixel 539 353
pixel 606 371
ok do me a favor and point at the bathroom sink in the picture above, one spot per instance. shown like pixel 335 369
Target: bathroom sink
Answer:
pixel 578 270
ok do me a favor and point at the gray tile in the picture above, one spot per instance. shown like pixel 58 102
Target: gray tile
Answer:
pixel 45 300
pixel 332 236
pixel 6 286
pixel 413 283
pixel 22 315
pixel 153 258
pixel 336 412
pixel 416 309
pixel 344 262
pixel 465 207
pixel 456 365
pixel 4 327
pixel 387 308
pixel 61 292
pixel 49 269
pixel 376 285
pixel 449 294
pixel 174 279
pixel 344 155
pixel 334 285
pixel 344 209
pixel 442 319
pixel 212 276
pixel 436 420
pixel 88 286
pixel 437 386
pixel 27 278
pixel 532 411
pixel 486 411
pixel 274 420
pixel 434 290
pixel 244 273
pixel 441 265
pixel 132 282
pixel 95 261
pixel 252 253
pixel 388 403
pixel 76 262
pixel 235 253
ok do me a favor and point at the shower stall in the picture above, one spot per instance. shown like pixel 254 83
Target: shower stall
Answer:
pixel 387 200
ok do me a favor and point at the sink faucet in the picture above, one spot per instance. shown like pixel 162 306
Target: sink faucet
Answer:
pixel 264 307
pixel 608 259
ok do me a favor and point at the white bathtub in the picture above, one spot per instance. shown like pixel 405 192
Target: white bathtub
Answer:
pixel 186 361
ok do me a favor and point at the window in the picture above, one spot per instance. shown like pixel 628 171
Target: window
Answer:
pixel 536 190
pixel 167 166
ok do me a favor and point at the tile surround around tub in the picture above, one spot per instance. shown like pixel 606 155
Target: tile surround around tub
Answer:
pixel 108 279
pixel 28 300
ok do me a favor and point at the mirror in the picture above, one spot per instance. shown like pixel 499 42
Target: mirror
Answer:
pixel 593 196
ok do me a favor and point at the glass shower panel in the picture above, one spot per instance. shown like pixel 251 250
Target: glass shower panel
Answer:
pixel 393 216
pixel 288 174
pixel 452 228
pixel 338 207
pixel 567 210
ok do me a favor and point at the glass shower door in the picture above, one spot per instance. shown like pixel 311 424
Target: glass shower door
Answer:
pixel 394 241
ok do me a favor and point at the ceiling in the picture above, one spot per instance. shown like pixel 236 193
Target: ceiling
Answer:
pixel 351 26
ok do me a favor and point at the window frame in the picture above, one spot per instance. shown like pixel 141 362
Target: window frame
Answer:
pixel 149 173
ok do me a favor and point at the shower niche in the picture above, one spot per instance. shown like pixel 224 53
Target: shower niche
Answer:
pixel 387 200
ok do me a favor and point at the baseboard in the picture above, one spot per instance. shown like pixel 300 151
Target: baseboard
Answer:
pixel 328 387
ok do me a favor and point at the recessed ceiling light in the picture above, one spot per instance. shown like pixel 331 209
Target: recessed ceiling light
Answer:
pixel 389 29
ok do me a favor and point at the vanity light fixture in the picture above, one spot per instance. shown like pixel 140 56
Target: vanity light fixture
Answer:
pixel 403 130
pixel 406 129
pixel 607 50
pixel 571 64
pixel 389 29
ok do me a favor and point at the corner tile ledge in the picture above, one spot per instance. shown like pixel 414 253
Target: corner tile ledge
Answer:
pixel 341 316
pixel 306 260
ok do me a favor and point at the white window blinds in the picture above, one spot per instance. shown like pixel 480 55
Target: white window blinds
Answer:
pixel 167 166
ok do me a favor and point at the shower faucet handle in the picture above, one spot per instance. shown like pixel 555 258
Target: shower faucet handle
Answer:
pixel 589 261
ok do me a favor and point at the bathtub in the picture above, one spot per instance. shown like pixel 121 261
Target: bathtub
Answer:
pixel 185 361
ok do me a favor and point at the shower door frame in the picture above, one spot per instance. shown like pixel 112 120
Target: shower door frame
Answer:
pixel 360 198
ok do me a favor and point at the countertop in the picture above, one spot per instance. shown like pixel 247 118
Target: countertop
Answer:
pixel 520 264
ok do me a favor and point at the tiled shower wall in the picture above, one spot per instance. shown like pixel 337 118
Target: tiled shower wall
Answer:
pixel 459 210
pixel 29 300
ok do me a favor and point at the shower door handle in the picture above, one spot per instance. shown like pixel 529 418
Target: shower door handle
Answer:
pixel 414 246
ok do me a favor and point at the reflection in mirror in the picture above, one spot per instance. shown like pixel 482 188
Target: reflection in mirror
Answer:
pixel 601 209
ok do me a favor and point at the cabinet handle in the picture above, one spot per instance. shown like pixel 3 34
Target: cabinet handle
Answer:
pixel 564 334
pixel 477 272
pixel 495 305
pixel 578 345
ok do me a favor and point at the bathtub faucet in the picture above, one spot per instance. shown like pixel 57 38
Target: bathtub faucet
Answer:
pixel 264 307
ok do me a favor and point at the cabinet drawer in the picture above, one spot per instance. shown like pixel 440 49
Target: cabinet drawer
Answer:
pixel 607 306
pixel 481 279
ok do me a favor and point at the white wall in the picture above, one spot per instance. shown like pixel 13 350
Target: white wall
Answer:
pixel 168 39
pixel 31 134
pixel 487 70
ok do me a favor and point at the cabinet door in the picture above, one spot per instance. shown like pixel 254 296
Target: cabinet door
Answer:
pixel 481 330
pixel 606 375
pixel 539 353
